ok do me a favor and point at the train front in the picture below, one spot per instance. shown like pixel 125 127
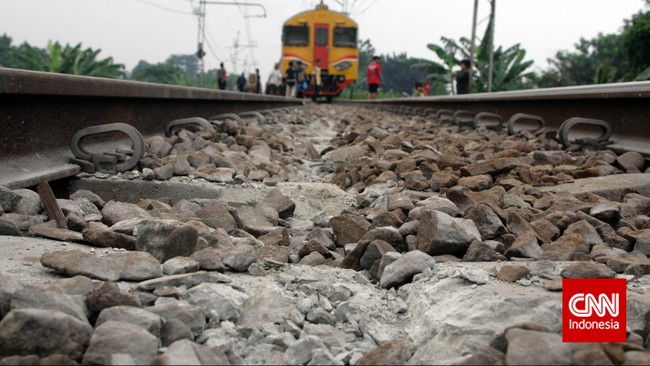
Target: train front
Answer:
pixel 326 35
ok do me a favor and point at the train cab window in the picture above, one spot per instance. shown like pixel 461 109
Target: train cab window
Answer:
pixel 345 37
pixel 295 35
pixel 321 37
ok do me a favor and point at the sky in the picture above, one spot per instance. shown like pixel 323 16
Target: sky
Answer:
pixel 152 30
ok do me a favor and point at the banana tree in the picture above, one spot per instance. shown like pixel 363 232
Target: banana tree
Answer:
pixel 66 60
pixel 509 66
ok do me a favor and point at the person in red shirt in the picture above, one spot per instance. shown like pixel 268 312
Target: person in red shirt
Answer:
pixel 373 72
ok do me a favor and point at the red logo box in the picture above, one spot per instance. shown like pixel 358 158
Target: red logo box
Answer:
pixel 593 310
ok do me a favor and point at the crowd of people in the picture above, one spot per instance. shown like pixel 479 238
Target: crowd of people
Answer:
pixel 294 81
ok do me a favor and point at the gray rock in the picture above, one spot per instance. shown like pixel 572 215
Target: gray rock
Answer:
pixel 375 251
pixel 180 265
pixel 134 266
pixel 186 352
pixel 108 295
pixel 349 228
pixel 395 352
pixel 255 220
pixel 526 347
pixel 525 246
pixel 487 222
pixel 133 315
pixel 164 172
pixel 586 231
pixel 29 203
pixel 510 273
pixel 313 259
pixel 441 204
pixel 166 239
pixel 481 252
pixel 191 315
pixel 284 205
pixel 404 268
pixel 188 280
pixel 43 333
pixel 174 330
pixel 77 285
pixel 114 212
pixel 303 350
pixel 588 270
pixel 388 234
pixel 108 239
pixel 115 337
pixel 90 196
pixel 440 233
pixel 239 257
pixel 220 298
pixel 48 299
pixel 9 228
pixel 23 222
pixel 8 199
pixel 209 259
pixel 631 160
pixel 69 207
pixel 217 216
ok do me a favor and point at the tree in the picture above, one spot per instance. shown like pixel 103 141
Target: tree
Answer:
pixel 162 73
pixel 636 47
pixel 509 65
pixel 66 60
pixel 188 63
pixel 595 61
pixel 6 52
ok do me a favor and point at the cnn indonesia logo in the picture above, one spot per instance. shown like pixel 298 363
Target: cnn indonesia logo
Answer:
pixel 593 310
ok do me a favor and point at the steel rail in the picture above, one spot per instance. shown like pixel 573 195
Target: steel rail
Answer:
pixel 626 106
pixel 41 112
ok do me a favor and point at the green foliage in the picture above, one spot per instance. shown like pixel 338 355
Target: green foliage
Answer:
pixel 509 65
pixel 6 52
pixel 65 60
pixel 163 73
pixel 398 75
pixel 636 45
pixel 598 60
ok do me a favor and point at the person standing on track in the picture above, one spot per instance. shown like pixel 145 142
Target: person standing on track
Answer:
pixel 241 82
pixel 316 77
pixel 275 80
pixel 373 73
pixel 222 77
pixel 301 80
pixel 462 78
pixel 290 78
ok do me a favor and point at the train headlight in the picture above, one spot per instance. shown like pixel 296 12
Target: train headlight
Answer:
pixel 343 66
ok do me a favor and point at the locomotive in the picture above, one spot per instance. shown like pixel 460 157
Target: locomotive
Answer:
pixel 326 35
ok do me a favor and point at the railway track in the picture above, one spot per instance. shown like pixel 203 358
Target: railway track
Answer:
pixel 425 230
pixel 41 113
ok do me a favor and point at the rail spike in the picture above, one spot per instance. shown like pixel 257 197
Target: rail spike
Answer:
pixel 202 123
pixel 108 161
pixel 523 116
pixel 601 141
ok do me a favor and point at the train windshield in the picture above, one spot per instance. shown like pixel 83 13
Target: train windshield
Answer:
pixel 345 37
pixel 295 35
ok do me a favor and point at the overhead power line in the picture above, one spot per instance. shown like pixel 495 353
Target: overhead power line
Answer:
pixel 146 2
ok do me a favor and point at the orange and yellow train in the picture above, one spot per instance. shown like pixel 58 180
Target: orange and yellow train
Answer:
pixel 326 35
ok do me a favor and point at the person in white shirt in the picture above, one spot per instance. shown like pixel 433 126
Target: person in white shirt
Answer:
pixel 275 81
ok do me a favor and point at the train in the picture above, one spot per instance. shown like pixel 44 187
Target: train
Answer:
pixel 326 35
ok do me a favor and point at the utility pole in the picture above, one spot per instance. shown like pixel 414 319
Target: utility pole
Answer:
pixel 200 13
pixel 200 53
pixel 491 62
pixel 472 50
